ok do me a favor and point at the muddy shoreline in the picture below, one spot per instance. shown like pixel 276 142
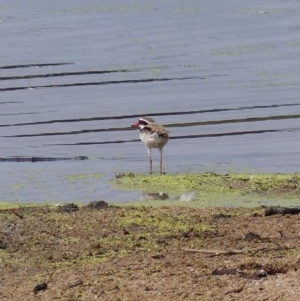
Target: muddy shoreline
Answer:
pixel 146 252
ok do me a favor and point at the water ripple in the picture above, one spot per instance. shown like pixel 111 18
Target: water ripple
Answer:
pixel 192 112
pixel 112 82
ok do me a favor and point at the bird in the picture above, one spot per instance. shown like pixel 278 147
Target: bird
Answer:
pixel 153 136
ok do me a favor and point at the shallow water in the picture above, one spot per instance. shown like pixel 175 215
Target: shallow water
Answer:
pixel 222 76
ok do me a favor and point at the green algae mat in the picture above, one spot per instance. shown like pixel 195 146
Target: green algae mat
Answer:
pixel 210 189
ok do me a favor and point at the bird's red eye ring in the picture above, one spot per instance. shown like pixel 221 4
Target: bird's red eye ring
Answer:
pixel 142 122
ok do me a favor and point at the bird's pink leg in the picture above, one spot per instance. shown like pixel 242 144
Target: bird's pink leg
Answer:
pixel 161 161
pixel 150 160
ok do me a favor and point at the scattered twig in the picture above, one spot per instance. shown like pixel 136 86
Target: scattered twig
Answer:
pixel 13 211
pixel 236 252
pixel 236 290
pixel 213 252
pixel 71 285
pixel 16 213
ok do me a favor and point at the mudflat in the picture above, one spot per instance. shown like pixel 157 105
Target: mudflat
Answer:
pixel 101 252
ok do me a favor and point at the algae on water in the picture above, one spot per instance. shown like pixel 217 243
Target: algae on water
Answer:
pixel 219 189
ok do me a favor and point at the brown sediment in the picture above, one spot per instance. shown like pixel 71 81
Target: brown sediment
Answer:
pixel 153 253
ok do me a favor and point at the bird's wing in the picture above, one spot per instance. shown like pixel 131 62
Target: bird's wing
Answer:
pixel 157 130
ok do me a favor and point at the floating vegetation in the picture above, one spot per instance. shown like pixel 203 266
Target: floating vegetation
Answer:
pixel 267 11
pixel 240 50
pixel 113 8
pixel 81 177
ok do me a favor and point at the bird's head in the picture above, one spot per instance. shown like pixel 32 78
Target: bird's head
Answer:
pixel 142 122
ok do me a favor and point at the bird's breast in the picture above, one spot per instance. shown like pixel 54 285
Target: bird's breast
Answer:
pixel 153 140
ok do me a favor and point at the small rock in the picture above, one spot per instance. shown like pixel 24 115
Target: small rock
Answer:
pixel 221 272
pixel 96 205
pixel 126 232
pixel 3 245
pixel 40 287
pixel 222 215
pixel 252 236
pixel 67 208
pixel 262 273
pixel 158 256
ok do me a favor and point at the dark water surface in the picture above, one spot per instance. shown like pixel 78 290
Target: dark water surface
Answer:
pixel 223 76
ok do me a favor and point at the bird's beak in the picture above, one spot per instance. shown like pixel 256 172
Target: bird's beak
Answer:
pixel 135 125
